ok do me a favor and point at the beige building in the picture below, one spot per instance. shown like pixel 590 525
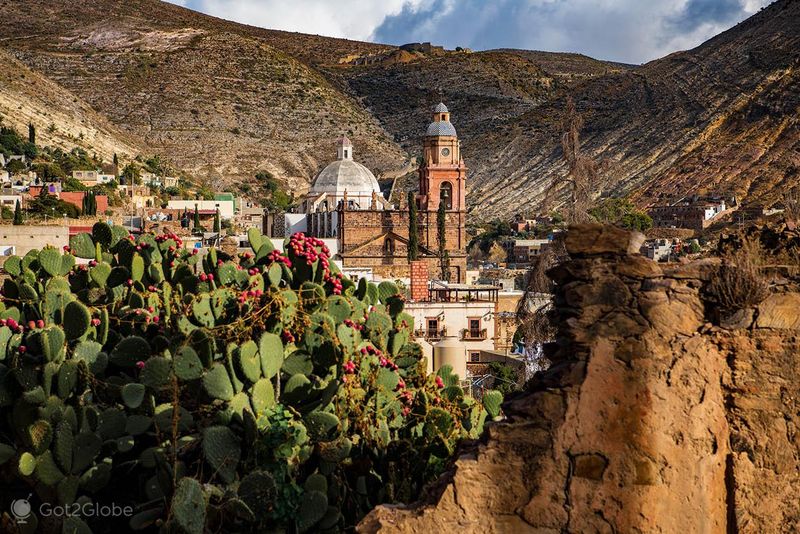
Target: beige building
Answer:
pixel 25 238
pixel 471 322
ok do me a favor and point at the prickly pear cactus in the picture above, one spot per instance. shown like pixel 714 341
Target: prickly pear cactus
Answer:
pixel 253 392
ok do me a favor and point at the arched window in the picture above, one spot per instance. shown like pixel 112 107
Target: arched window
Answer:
pixel 446 195
pixel 388 246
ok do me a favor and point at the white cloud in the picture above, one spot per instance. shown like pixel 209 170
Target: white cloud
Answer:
pixel 352 19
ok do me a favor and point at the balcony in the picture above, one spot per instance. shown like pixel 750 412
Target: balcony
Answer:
pixel 471 334
pixel 430 335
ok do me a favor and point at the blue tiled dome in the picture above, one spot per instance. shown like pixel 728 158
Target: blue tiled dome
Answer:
pixel 440 128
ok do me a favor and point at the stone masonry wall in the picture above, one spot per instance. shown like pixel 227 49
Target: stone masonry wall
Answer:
pixel 652 418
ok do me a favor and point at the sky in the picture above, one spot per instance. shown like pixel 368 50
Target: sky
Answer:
pixel 630 31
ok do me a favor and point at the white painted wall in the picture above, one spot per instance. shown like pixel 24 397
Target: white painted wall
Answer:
pixel 455 319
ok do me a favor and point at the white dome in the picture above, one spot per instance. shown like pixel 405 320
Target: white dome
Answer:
pixel 345 175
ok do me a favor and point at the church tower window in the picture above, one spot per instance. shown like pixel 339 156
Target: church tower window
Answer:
pixel 446 195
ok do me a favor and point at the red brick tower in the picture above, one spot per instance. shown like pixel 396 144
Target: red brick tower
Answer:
pixel 443 178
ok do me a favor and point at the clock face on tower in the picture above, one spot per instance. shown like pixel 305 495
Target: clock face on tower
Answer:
pixel 445 152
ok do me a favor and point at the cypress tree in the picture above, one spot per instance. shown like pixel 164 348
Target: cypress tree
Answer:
pixel 413 236
pixel 196 218
pixel 441 237
pixel 216 221
pixel 31 133
pixel 17 214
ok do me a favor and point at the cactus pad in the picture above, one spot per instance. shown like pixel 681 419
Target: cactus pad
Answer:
pixel 491 401
pixel 222 451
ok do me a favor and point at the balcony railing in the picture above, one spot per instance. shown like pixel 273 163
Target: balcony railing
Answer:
pixel 470 334
pixel 430 335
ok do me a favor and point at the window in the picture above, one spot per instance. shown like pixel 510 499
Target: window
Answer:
pixel 446 195
pixel 388 246
pixel 433 326
pixel 474 357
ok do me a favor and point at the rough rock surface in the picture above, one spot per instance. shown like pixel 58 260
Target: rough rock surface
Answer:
pixel 651 419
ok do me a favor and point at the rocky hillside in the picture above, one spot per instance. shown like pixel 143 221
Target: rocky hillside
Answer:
pixel 722 117
pixel 63 119
pixel 222 100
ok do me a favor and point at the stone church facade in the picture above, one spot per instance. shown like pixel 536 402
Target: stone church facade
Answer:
pixel 346 205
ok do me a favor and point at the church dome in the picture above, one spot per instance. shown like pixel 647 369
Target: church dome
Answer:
pixel 345 175
pixel 441 124
pixel 441 128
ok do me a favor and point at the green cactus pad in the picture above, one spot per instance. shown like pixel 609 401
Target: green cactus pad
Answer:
pixel 137 268
pixel 13 265
pixel 76 320
pixel 189 506
pixel 102 233
pixel 492 400
pixel 47 472
pixel 217 383
pixel 336 450
pixel 52 340
pixel 262 396
pixel 39 435
pixel 187 364
pixel 82 246
pixel 313 507
pixel 248 361
pixel 321 425
pixel 156 372
pixel 64 446
pixel 201 311
pixel 275 275
pixel 270 350
pixel 222 451
pixel 387 379
pixel 67 379
pixel 100 273
pixel 54 263
pixel 298 362
pixel 133 394
pixel 387 289
pixel 339 309
pixel 255 238
pixel 130 350
pixel 111 423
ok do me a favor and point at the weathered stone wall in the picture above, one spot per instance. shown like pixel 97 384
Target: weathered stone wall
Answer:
pixel 652 418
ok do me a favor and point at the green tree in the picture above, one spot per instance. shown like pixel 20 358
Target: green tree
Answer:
pixel 115 161
pixel 505 377
pixel 196 218
pixel 17 214
pixel 217 228
pixel 413 231
pixel 621 212
pixel 31 133
pixel 441 237
pixel 132 174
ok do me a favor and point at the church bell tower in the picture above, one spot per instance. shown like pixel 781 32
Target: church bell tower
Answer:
pixel 443 174
pixel 443 179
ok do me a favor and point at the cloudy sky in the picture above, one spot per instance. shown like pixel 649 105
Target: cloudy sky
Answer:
pixel 633 31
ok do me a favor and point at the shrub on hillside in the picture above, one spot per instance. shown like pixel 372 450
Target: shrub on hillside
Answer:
pixel 240 394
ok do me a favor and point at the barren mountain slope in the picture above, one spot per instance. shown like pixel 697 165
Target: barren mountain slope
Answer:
pixel 61 119
pixel 673 126
pixel 214 97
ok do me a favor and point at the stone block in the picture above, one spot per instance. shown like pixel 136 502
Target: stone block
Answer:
pixel 600 240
